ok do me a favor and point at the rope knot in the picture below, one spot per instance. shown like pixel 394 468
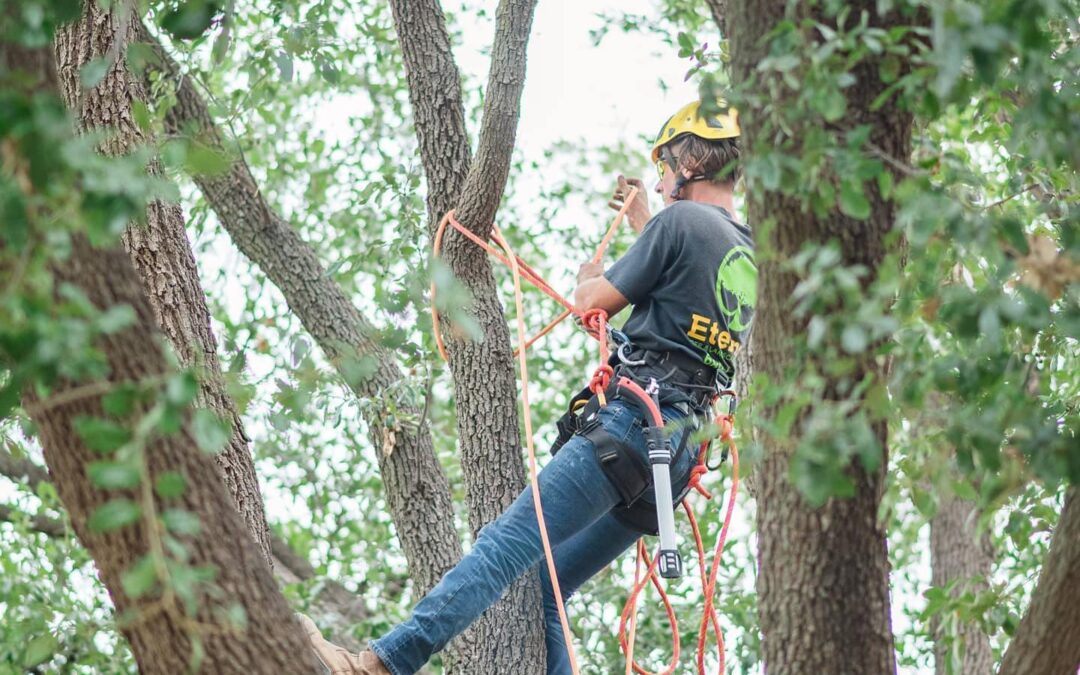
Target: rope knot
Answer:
pixel 727 426
pixel 695 480
pixel 595 322
pixel 601 379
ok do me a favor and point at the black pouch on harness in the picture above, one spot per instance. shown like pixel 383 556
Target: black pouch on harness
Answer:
pixel 627 472
pixel 630 475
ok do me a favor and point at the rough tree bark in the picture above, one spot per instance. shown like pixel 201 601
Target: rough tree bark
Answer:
pixel 823 582
pixel 417 491
pixel 1047 641
pixel 958 552
pixel 485 387
pixel 159 249
pixel 161 640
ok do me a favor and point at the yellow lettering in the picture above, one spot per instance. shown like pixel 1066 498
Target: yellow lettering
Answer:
pixel 698 324
pixel 735 346
pixel 713 330
pixel 725 340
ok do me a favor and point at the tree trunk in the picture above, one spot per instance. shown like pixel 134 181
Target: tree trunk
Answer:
pixel 1047 641
pixel 161 633
pixel 823 584
pixel 485 388
pixel 159 248
pixel 958 552
pixel 163 636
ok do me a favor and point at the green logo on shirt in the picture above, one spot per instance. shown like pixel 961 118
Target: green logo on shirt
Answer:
pixel 736 287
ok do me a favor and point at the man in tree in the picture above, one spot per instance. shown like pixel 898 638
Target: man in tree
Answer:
pixel 690 277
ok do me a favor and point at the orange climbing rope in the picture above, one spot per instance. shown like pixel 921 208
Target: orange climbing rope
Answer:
pixel 595 323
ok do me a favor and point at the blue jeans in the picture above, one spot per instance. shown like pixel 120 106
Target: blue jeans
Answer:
pixel 585 537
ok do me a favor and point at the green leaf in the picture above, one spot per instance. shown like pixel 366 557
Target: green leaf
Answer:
pixel 285 65
pixel 853 339
pixel 964 490
pixel 39 650
pixel 101 435
pixel 181 521
pixel 138 579
pixel 170 484
pixel 115 318
pixel 94 72
pixel 211 433
pixel 142 116
pixel 181 388
pixel 924 502
pixel 202 160
pixel 115 514
pixel 113 475
pixel 853 202
pixel 120 401
pixel 190 19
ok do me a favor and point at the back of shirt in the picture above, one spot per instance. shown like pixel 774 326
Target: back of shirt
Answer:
pixel 692 281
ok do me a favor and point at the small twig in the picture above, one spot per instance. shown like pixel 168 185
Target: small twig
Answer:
pixel 1011 197
pixel 901 166
pixel 70 396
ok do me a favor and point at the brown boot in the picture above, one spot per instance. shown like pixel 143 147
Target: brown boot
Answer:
pixel 339 660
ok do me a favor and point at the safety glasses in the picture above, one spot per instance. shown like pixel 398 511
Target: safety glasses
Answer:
pixel 666 159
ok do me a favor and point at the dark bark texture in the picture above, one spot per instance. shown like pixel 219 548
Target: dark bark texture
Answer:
pixel 958 552
pixel 159 249
pixel 823 582
pixel 1047 641
pixel 161 635
pixel 485 388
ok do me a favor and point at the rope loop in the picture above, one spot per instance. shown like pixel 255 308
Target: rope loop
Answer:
pixel 595 323
pixel 601 379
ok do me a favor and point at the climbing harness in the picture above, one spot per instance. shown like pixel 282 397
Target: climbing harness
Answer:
pixel 631 478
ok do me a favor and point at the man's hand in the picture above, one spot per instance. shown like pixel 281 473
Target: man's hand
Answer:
pixel 589 270
pixel 638 214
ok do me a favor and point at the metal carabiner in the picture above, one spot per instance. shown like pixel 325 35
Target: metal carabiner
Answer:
pixel 624 359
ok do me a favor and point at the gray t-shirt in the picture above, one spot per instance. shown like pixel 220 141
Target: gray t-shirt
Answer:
pixel 692 281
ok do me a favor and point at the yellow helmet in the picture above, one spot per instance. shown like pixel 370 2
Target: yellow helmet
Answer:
pixel 689 120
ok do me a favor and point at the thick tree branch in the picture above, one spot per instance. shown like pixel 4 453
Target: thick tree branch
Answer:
pixel 39 523
pixel 332 600
pixel 718 8
pixel 502 108
pixel 21 469
pixel 960 554
pixel 416 488
pixel 1047 642
pixel 158 247
pixel 485 385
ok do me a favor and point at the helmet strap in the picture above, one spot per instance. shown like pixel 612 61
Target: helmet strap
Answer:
pixel 680 183
pixel 680 179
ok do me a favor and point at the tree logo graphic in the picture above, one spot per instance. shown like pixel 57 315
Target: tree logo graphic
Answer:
pixel 736 288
